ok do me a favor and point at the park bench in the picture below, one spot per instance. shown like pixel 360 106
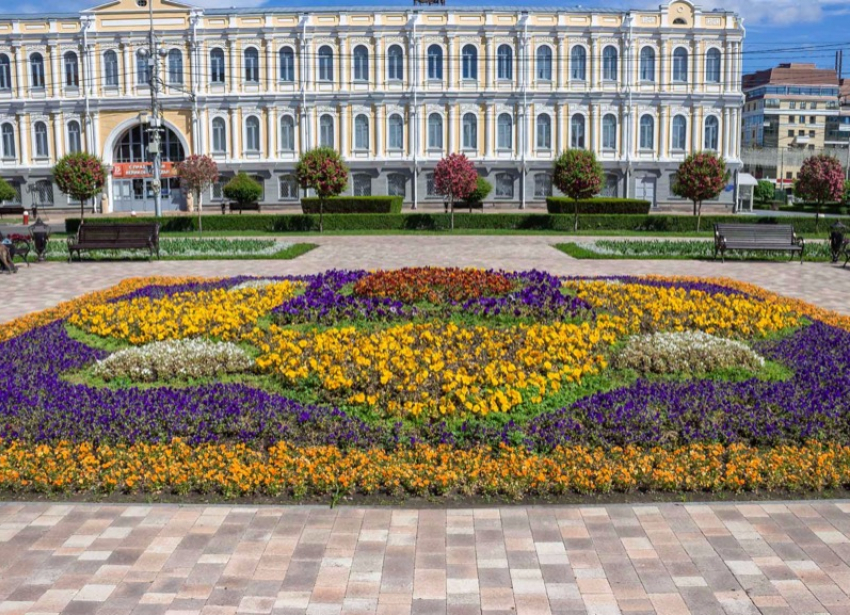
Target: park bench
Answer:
pixel 767 237
pixel 132 236
pixel 240 208
pixel 15 210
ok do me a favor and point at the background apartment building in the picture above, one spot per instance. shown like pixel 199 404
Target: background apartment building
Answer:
pixel 393 90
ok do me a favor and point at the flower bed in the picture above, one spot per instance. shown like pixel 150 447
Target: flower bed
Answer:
pixel 425 382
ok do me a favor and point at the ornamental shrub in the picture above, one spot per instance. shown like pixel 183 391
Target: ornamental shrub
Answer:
pixel 577 174
pixel 197 174
pixel 455 178
pixel 483 188
pixel 323 170
pixel 764 191
pixel 80 176
pixel 243 189
pixel 701 176
pixel 353 205
pixel 598 205
pixel 821 179
pixel 7 193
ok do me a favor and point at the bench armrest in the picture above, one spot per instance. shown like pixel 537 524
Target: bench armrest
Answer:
pixel 800 241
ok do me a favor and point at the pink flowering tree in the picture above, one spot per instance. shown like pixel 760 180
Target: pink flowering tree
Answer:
pixel 81 176
pixel 323 170
pixel 197 174
pixel 578 175
pixel 700 177
pixel 821 179
pixel 455 178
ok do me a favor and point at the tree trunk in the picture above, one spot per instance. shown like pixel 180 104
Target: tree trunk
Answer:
pixel 698 212
pixel 452 212
pixel 200 219
pixel 322 215
pixel 817 218
pixel 695 208
pixel 82 210
pixel 575 215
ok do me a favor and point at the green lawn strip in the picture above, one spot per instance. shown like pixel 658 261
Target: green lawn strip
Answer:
pixel 664 249
pixel 242 250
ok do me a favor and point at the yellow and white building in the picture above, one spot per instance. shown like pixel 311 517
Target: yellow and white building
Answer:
pixel 394 91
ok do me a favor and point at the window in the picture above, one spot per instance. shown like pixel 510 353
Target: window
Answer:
pixel 504 133
pixel 219 136
pixel 287 134
pixel 110 69
pixel 578 62
pixel 790 133
pixel 5 73
pixel 326 131
pixel 395 134
pixel 252 134
pixel 361 63
pixel 74 140
pixel 544 63
pixel 396 185
pixel 544 131
pixel 577 131
pixel 143 69
pixel 326 63
pixel 792 104
pixel 712 66
pixel 42 148
pixel 647 132
pixel 435 131
pixel 216 190
pixel 36 70
pixel 288 188
pixel 679 22
pixel 395 63
pixel 286 59
pixel 609 188
pixel 504 186
pixel 802 119
pixel 469 62
pixel 712 131
pixel 7 136
pixel 679 133
pixel 430 187
pixel 647 64
pixel 361 133
pixel 435 62
pixel 72 70
pixel 792 119
pixel 362 185
pixel 542 185
pixel 217 66
pixel 504 62
pixel 680 65
pixel 251 60
pixel 470 131
pixel 42 192
pixel 811 119
pixel 609 132
pixel 609 63
pixel 175 67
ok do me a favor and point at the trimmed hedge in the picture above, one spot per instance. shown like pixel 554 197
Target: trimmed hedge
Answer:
pixel 296 223
pixel 598 205
pixel 354 205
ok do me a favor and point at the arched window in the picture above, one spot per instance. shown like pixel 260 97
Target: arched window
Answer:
pixel 544 63
pixel 252 134
pixel 544 131
pixel 326 63
pixel 647 64
pixel 361 184
pixel 5 72
pixel 286 60
pixel 609 131
pixel 36 70
pixel 251 59
pixel 219 135
pixel 72 70
pixel 435 62
pixel 679 133
pixel 42 147
pixel 680 65
pixel 609 63
pixel 288 188
pixel 395 132
pixel 435 131
pixel 110 69
pixel 326 131
pixel 470 131
pixel 7 136
pixel 505 131
pixel 504 186
pixel 712 65
pixel 712 133
pixel 542 185
pixel 395 63
pixel 469 62
pixel 217 66
pixel 175 67
pixel 647 132
pixel 361 132
pixel 361 63
pixel 287 133
pixel 577 124
pixel 578 63
pixel 679 22
pixel 504 62
pixel 74 138
pixel 396 185
pixel 143 69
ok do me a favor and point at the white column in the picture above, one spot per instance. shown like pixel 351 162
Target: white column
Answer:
pixel 203 124
pixel 18 59
pixel 343 130
pixel 451 63
pixel 271 131
pixel 58 137
pixel 556 127
pixel 126 78
pixel 528 127
pixel 379 119
pixel 270 80
pixel 450 126
pixel 663 79
pixel 664 132
pixel 413 130
pixel 695 141
pixel 726 132
pixel 24 134
pixel 735 131
pixel 234 134
pixel 594 59
pixel 95 134
pixel 56 76
pixel 231 71
pixel 489 115
pixel 490 51
pixel 380 72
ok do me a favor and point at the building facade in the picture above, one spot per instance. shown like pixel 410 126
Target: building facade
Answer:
pixel 394 91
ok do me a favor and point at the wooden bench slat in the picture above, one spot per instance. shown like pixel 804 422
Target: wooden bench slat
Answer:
pixel 118 236
pixel 774 237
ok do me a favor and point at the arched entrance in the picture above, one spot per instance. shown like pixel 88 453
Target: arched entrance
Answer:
pixel 132 171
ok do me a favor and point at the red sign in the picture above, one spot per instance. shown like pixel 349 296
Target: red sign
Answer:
pixel 133 170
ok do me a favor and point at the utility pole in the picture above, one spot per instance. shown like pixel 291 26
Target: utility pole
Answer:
pixel 155 126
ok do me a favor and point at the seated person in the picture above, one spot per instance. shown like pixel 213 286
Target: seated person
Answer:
pixel 6 251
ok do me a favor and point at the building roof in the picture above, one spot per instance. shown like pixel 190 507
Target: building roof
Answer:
pixel 791 74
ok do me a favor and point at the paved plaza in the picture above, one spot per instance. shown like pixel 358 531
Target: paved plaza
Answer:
pixel 672 559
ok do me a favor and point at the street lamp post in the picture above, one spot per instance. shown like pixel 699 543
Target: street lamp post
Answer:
pixel 155 127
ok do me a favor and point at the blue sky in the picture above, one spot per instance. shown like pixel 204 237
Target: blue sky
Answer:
pixel 770 24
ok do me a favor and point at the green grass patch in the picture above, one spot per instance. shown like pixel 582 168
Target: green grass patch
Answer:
pixel 670 249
